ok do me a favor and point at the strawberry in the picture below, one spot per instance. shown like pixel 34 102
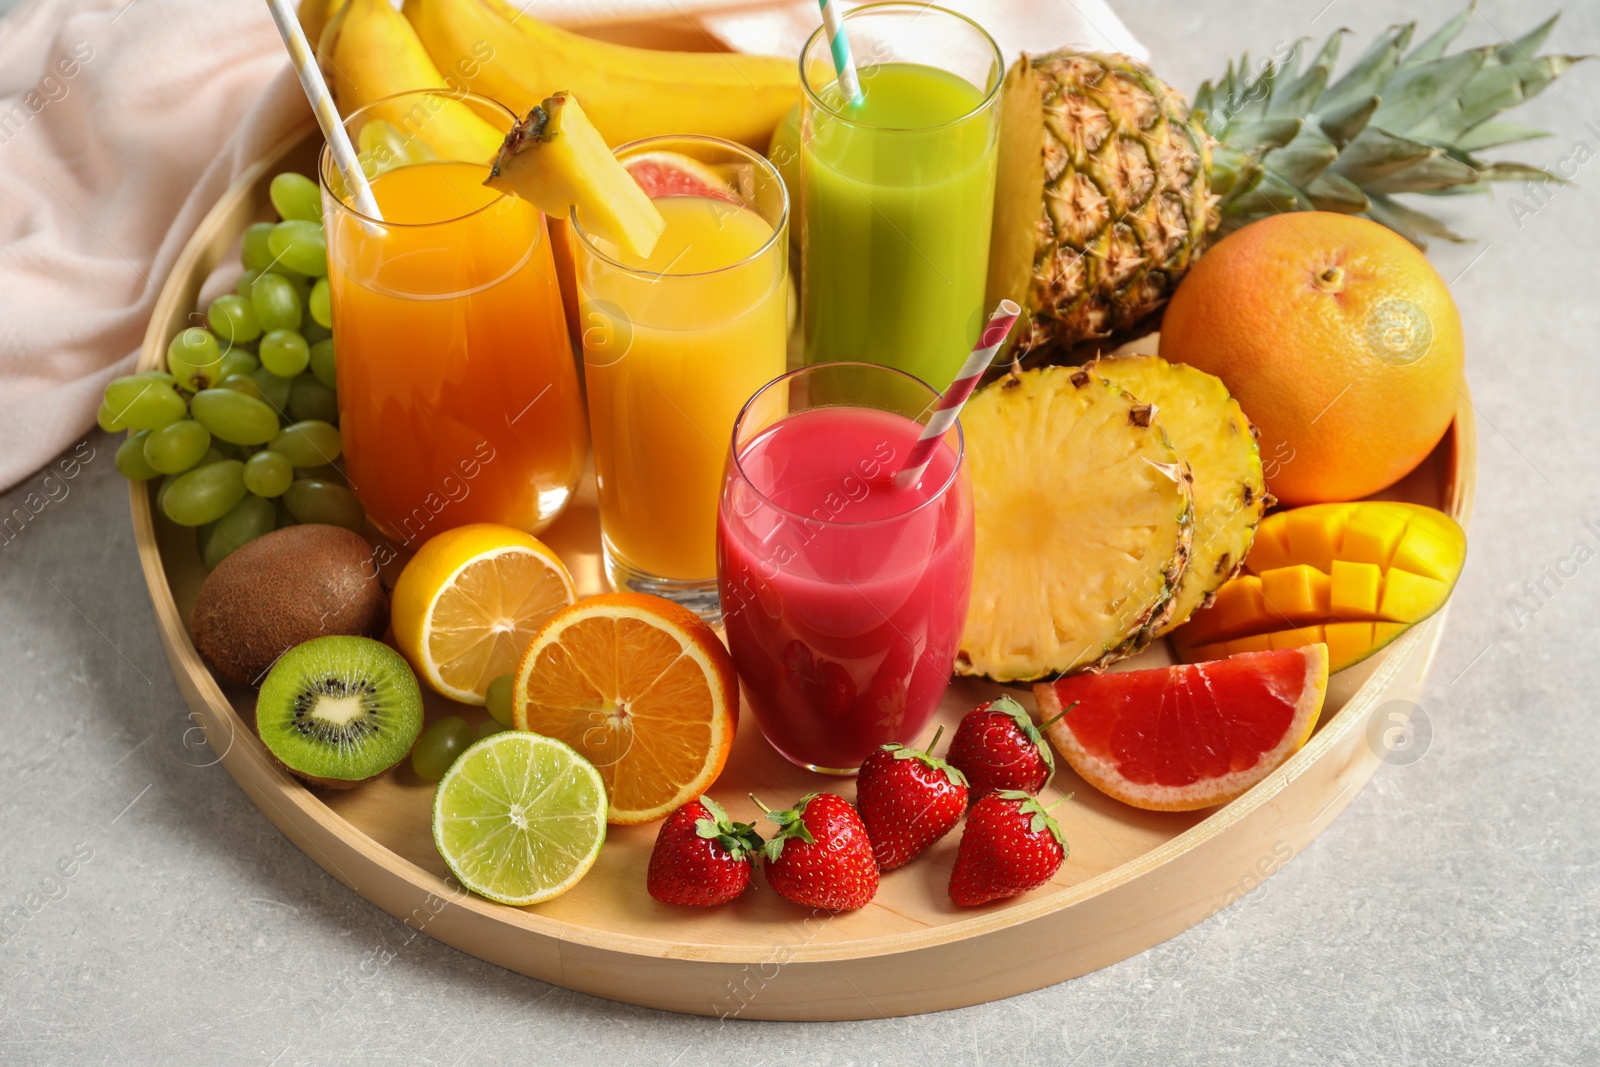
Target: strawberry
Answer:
pixel 997 746
pixel 1010 845
pixel 702 858
pixel 908 799
pixel 821 856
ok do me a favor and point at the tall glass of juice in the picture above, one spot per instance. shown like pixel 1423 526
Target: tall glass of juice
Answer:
pixel 844 593
pixel 458 391
pixel 673 346
pixel 898 190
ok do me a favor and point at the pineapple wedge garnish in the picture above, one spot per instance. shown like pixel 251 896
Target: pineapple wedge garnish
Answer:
pixel 556 159
pixel 1213 436
pixel 1083 513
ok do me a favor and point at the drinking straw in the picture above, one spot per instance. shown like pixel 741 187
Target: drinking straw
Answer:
pixel 949 405
pixel 843 61
pixel 305 65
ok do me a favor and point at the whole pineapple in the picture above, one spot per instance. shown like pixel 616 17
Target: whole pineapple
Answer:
pixel 1110 185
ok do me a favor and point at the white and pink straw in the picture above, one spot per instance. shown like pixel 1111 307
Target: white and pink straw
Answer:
pixel 949 406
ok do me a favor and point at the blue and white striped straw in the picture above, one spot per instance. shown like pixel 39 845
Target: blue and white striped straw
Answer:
pixel 843 61
pixel 304 59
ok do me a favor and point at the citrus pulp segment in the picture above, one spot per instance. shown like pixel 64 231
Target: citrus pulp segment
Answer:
pixel 519 818
pixel 1187 737
pixel 641 687
pixel 470 600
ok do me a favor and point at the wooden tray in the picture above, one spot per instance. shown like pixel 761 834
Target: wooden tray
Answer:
pixel 1133 878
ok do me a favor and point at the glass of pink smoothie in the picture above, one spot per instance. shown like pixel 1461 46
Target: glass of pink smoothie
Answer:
pixel 843 594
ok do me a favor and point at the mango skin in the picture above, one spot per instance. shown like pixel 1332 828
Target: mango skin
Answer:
pixel 1352 576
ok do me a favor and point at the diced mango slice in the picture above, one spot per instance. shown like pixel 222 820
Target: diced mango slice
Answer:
pixel 1299 593
pixel 1354 576
pixel 1236 609
pixel 1314 534
pixel 1348 642
pixel 1428 550
pixel 1269 549
pixel 1408 597
pixel 1355 590
pixel 1304 635
pixel 1372 534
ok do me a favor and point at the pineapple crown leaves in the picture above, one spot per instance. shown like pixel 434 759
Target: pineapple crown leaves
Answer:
pixel 1396 121
pixel 926 756
pixel 738 839
pixel 1040 819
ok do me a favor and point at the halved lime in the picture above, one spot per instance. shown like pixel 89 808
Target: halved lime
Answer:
pixel 519 817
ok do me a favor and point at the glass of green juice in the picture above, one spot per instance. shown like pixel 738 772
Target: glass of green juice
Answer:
pixel 898 190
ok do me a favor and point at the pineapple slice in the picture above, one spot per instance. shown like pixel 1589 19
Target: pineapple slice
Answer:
pixel 1084 515
pixel 556 159
pixel 1218 443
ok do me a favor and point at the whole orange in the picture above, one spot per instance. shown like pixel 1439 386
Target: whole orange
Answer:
pixel 1339 340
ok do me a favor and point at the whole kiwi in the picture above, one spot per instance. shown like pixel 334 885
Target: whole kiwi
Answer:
pixel 284 588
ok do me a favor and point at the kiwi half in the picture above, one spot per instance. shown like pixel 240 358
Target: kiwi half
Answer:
pixel 338 710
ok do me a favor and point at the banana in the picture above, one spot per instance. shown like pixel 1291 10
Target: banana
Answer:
pixel 368 50
pixel 628 93
pixel 314 16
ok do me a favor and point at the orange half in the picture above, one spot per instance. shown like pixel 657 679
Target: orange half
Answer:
pixel 1191 736
pixel 643 689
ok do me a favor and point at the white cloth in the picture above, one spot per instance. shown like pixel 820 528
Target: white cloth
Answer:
pixel 122 123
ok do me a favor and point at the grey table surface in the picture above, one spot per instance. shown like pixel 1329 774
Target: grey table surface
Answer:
pixel 1450 916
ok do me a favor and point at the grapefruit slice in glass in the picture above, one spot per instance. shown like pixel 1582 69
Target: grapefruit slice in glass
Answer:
pixel 663 173
pixel 1190 736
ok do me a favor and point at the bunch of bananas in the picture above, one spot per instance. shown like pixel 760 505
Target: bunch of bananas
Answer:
pixel 369 50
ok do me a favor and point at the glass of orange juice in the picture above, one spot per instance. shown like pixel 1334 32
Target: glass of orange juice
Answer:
pixel 673 346
pixel 458 391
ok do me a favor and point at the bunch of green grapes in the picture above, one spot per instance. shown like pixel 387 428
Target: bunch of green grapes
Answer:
pixel 242 426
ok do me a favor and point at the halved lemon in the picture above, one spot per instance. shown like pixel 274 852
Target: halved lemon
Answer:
pixel 519 818
pixel 640 687
pixel 470 600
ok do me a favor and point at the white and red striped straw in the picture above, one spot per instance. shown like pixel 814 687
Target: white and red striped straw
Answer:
pixel 949 406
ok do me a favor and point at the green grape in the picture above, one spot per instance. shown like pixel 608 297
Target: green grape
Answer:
pixel 322 363
pixel 321 305
pixel 498 700
pixel 107 419
pixel 237 361
pixel 255 252
pixel 312 330
pixel 234 416
pixel 274 390
pixel 439 746
pixel 241 383
pixel 276 302
pixel 310 399
pixel 139 402
pixel 195 358
pixel 489 726
pixel 284 353
pixel 314 500
pixel 245 521
pixel 233 319
pixel 308 444
pixel 175 448
pixel 296 197
pixel 246 283
pixel 268 473
pixel 302 286
pixel 212 456
pixel 130 458
pixel 204 494
pixel 300 246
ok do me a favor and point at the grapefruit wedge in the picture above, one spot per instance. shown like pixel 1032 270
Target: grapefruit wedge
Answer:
pixel 1191 736
pixel 675 174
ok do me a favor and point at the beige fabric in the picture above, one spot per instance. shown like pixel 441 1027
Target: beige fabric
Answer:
pixel 121 123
